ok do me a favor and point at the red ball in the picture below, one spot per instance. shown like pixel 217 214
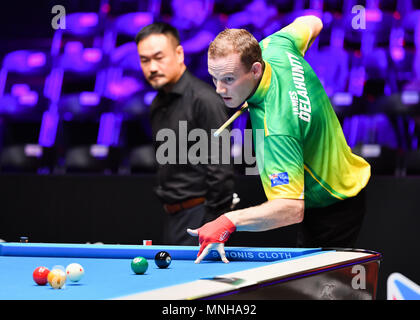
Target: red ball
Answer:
pixel 40 275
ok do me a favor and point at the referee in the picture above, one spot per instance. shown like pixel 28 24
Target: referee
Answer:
pixel 191 194
pixel 309 174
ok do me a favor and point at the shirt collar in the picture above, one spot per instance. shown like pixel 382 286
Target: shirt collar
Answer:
pixel 180 86
pixel 164 98
pixel 263 86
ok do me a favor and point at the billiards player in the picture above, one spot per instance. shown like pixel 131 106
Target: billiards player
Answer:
pixel 309 174
pixel 191 194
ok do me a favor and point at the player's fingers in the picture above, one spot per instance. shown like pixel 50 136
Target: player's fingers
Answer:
pixel 221 249
pixel 204 253
pixel 202 247
pixel 192 232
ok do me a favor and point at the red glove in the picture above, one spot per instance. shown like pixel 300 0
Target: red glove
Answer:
pixel 216 231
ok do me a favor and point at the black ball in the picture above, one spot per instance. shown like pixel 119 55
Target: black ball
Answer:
pixel 163 259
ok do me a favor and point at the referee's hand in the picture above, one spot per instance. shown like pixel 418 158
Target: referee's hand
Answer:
pixel 212 236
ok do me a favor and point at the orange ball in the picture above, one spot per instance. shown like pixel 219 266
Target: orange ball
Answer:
pixel 56 278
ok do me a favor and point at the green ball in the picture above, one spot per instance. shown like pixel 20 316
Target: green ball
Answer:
pixel 139 265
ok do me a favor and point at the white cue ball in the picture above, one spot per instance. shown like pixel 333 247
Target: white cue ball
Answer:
pixel 74 272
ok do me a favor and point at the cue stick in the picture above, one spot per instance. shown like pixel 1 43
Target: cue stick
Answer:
pixel 231 119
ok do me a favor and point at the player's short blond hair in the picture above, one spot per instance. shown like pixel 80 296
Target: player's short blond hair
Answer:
pixel 236 41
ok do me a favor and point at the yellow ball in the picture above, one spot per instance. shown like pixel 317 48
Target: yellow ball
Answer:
pixel 56 278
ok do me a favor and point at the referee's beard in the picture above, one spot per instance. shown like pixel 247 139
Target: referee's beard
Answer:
pixel 161 81
pixel 155 80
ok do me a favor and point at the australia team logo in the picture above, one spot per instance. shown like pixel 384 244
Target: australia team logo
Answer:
pixel 278 179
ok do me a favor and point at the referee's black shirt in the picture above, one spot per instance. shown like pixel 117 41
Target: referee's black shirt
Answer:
pixel 191 104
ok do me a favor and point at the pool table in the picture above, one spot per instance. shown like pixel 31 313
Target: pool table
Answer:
pixel 253 273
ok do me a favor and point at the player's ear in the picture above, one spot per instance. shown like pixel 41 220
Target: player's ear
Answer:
pixel 180 53
pixel 257 70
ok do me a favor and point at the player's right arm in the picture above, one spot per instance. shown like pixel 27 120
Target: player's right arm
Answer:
pixel 304 30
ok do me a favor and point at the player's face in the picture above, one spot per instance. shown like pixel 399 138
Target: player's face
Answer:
pixel 162 61
pixel 233 82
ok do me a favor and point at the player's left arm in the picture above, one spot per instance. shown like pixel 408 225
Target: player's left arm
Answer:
pixel 282 155
pixel 270 215
pixel 304 30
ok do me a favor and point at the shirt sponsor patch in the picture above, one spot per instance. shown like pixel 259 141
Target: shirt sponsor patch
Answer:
pixel 278 179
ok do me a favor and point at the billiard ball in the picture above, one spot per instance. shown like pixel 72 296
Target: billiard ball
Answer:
pixel 40 275
pixel 139 265
pixel 163 259
pixel 56 278
pixel 74 272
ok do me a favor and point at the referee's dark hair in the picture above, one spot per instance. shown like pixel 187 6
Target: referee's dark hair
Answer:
pixel 158 28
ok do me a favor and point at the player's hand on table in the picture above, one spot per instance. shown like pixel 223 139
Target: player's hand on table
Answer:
pixel 212 236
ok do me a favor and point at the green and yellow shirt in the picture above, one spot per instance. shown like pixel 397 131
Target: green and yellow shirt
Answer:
pixel 305 154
